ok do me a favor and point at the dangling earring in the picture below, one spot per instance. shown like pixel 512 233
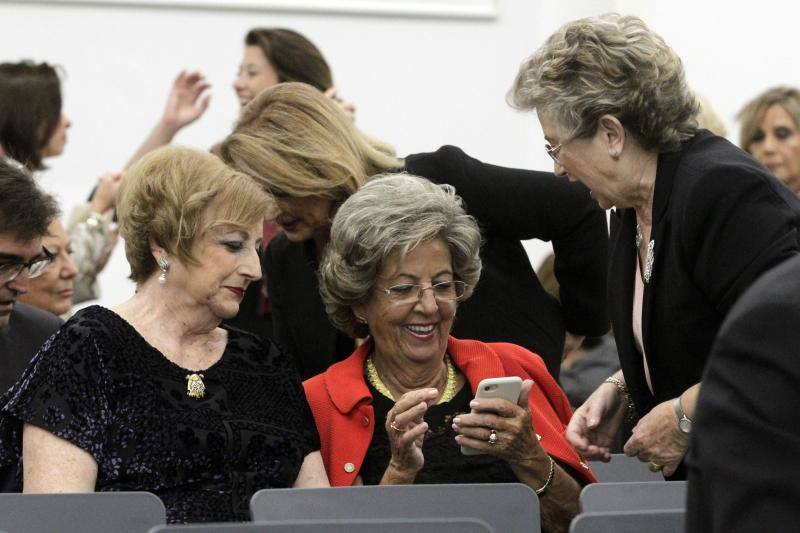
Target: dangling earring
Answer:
pixel 163 263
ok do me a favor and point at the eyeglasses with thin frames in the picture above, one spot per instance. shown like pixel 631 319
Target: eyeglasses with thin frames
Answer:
pixel 552 151
pixel 36 267
pixel 444 291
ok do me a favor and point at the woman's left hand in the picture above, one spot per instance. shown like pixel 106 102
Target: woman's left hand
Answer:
pixel 657 439
pixel 515 442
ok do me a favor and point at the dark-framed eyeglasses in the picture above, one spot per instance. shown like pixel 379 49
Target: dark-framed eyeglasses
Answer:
pixel 36 267
pixel 552 151
pixel 444 291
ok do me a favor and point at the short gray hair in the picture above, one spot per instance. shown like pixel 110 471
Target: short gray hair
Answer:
pixel 392 214
pixel 612 65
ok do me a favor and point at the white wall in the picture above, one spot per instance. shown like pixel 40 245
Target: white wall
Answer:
pixel 418 83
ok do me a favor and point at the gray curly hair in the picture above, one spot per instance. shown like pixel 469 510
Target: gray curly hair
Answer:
pixel 390 216
pixel 613 65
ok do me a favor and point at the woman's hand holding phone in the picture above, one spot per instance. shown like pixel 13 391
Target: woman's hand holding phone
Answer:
pixel 500 408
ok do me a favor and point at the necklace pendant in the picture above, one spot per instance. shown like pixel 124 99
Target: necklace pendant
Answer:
pixel 195 387
pixel 648 266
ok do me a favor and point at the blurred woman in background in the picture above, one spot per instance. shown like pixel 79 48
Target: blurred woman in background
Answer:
pixel 34 128
pixel 771 132
pixel 52 290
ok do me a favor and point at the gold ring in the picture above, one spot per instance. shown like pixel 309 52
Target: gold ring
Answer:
pixel 492 437
pixel 397 429
pixel 655 467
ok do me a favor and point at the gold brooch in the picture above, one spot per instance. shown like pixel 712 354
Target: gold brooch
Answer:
pixel 195 387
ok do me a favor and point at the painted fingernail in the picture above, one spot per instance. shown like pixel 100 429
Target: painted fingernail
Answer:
pixel 456 420
pixel 474 404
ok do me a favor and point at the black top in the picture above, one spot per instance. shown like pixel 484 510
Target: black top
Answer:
pixel 444 462
pixel 743 471
pixel 101 386
pixel 27 329
pixel 508 304
pixel 720 220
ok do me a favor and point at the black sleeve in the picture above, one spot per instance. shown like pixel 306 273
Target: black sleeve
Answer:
pixel 739 223
pixel 743 473
pixel 524 204
pixel 296 412
pixel 281 333
pixel 64 392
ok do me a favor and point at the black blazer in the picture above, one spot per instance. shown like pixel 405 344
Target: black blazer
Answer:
pixel 743 470
pixel 720 220
pixel 27 329
pixel 508 304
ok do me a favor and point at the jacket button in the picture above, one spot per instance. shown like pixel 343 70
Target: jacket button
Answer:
pixel 365 421
pixel 349 468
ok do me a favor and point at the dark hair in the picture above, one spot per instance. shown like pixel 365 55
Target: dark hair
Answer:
pixel 30 109
pixel 293 57
pixel 25 210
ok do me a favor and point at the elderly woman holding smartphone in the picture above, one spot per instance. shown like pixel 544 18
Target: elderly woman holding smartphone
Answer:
pixel 402 255
pixel 696 220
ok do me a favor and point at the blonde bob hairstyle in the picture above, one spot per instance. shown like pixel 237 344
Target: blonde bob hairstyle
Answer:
pixel 386 219
pixel 296 142
pixel 753 112
pixel 609 65
pixel 173 197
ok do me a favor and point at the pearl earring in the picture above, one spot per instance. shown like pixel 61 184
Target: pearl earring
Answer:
pixel 163 264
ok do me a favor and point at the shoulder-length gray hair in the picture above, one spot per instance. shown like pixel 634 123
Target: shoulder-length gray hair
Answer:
pixel 392 214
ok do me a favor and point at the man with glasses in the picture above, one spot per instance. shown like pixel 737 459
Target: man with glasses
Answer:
pixel 25 212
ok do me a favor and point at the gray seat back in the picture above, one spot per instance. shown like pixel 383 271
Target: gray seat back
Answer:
pixel 636 496
pixel 506 507
pixel 95 512
pixel 362 525
pixel 663 521
pixel 623 468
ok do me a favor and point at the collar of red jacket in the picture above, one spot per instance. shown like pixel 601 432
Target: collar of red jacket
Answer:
pixel 347 388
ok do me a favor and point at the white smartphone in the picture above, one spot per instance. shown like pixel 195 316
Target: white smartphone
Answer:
pixel 506 388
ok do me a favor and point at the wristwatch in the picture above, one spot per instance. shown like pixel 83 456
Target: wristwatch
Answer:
pixel 684 422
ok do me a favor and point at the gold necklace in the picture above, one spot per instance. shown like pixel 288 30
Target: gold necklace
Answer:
pixel 449 388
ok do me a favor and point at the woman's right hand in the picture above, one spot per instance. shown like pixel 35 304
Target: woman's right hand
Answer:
pixel 406 427
pixel 105 194
pixel 594 424
pixel 185 104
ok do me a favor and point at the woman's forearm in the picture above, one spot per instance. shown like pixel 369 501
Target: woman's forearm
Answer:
pixel 689 400
pixel 396 476
pixel 559 501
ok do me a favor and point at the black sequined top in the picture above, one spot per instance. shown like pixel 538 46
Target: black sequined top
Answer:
pixel 98 384
pixel 444 462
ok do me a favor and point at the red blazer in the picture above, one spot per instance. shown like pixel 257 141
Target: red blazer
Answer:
pixel 342 404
